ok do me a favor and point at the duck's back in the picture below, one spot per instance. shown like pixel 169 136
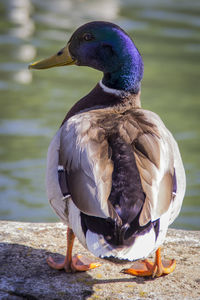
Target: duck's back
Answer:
pixel 123 172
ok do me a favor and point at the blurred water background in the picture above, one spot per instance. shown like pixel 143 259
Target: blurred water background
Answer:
pixel 33 104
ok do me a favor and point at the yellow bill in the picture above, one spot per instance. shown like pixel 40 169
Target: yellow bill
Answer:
pixel 62 58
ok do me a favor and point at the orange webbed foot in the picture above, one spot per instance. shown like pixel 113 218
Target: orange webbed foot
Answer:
pixel 147 268
pixel 63 264
pixel 78 263
pixel 140 268
pixel 82 263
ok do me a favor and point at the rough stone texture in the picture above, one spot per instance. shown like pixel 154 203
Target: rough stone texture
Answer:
pixel 24 273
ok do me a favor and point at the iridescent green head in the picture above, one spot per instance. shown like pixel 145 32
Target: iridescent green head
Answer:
pixel 105 47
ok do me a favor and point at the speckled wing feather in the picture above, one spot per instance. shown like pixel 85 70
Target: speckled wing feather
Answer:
pixel 85 155
pixel 54 192
pixel 155 151
pixel 157 156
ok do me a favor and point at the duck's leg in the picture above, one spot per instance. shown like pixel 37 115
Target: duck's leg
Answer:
pixel 147 268
pixel 66 263
pixel 72 264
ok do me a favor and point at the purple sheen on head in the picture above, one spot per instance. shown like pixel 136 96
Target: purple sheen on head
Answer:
pixel 111 51
pixel 129 71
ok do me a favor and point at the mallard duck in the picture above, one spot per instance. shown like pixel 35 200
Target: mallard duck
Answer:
pixel 114 171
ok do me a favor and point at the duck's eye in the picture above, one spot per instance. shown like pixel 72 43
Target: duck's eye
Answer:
pixel 88 37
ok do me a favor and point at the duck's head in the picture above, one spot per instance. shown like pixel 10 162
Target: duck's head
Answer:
pixel 105 47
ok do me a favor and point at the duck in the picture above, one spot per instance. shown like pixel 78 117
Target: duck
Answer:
pixel 114 171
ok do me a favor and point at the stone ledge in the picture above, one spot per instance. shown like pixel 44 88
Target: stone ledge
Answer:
pixel 24 273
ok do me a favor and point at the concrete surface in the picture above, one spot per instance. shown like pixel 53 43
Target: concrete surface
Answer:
pixel 24 273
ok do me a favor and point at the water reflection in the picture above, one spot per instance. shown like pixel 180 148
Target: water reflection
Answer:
pixel 19 15
pixel 70 14
pixel 166 32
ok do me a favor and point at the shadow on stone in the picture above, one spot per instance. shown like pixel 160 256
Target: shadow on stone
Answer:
pixel 25 274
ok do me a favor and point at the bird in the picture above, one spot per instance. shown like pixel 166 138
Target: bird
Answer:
pixel 114 171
